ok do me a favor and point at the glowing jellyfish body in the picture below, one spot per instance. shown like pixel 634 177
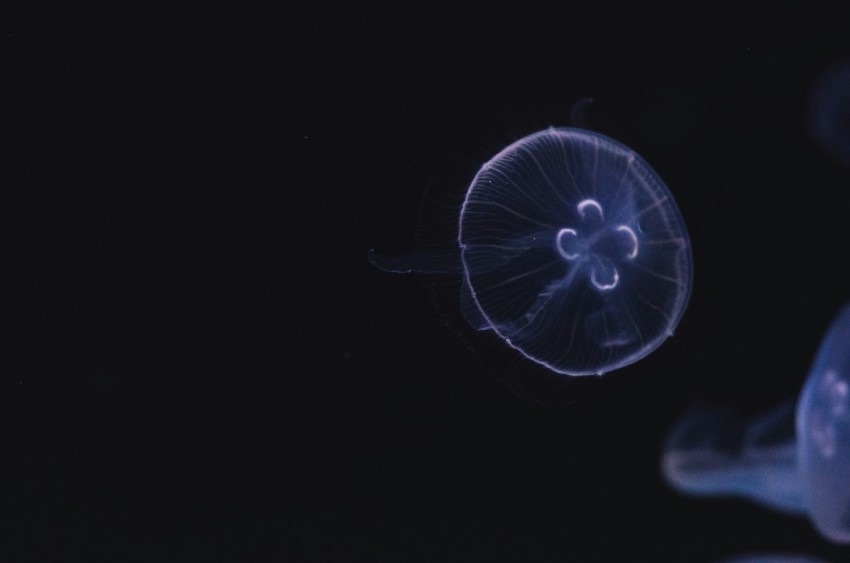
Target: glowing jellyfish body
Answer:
pixel 823 433
pixel 572 250
pixel 794 459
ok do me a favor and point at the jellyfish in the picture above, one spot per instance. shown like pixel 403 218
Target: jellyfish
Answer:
pixel 829 113
pixel 795 458
pixel 571 249
pixel 772 558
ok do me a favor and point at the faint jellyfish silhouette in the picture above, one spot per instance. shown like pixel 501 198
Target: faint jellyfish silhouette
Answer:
pixel 792 459
pixel 772 558
pixel 829 112
pixel 712 452
pixel 571 249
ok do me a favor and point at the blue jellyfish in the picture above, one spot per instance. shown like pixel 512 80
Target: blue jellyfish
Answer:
pixel 772 558
pixel 795 459
pixel 571 249
pixel 829 114
pixel 823 433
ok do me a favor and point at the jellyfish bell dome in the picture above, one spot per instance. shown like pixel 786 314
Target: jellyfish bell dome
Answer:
pixel 575 252
pixel 571 249
pixel 823 433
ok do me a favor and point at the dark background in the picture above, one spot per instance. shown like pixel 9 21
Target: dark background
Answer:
pixel 204 367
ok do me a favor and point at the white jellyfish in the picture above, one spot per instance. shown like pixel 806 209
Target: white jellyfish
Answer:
pixel 572 250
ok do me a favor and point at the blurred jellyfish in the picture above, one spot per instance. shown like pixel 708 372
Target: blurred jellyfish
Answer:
pixel 823 433
pixel 571 249
pixel 793 459
pixel 829 114
pixel 712 452
pixel 772 558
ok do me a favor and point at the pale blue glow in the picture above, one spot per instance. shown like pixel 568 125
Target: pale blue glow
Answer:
pixel 711 452
pixel 795 459
pixel 829 115
pixel 571 249
pixel 823 433
pixel 772 558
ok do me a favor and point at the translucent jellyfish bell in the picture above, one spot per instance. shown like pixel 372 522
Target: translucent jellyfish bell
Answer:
pixel 793 459
pixel 823 433
pixel 571 249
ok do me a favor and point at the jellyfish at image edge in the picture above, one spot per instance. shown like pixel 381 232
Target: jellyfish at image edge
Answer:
pixel 772 558
pixel 795 459
pixel 571 249
pixel 829 112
